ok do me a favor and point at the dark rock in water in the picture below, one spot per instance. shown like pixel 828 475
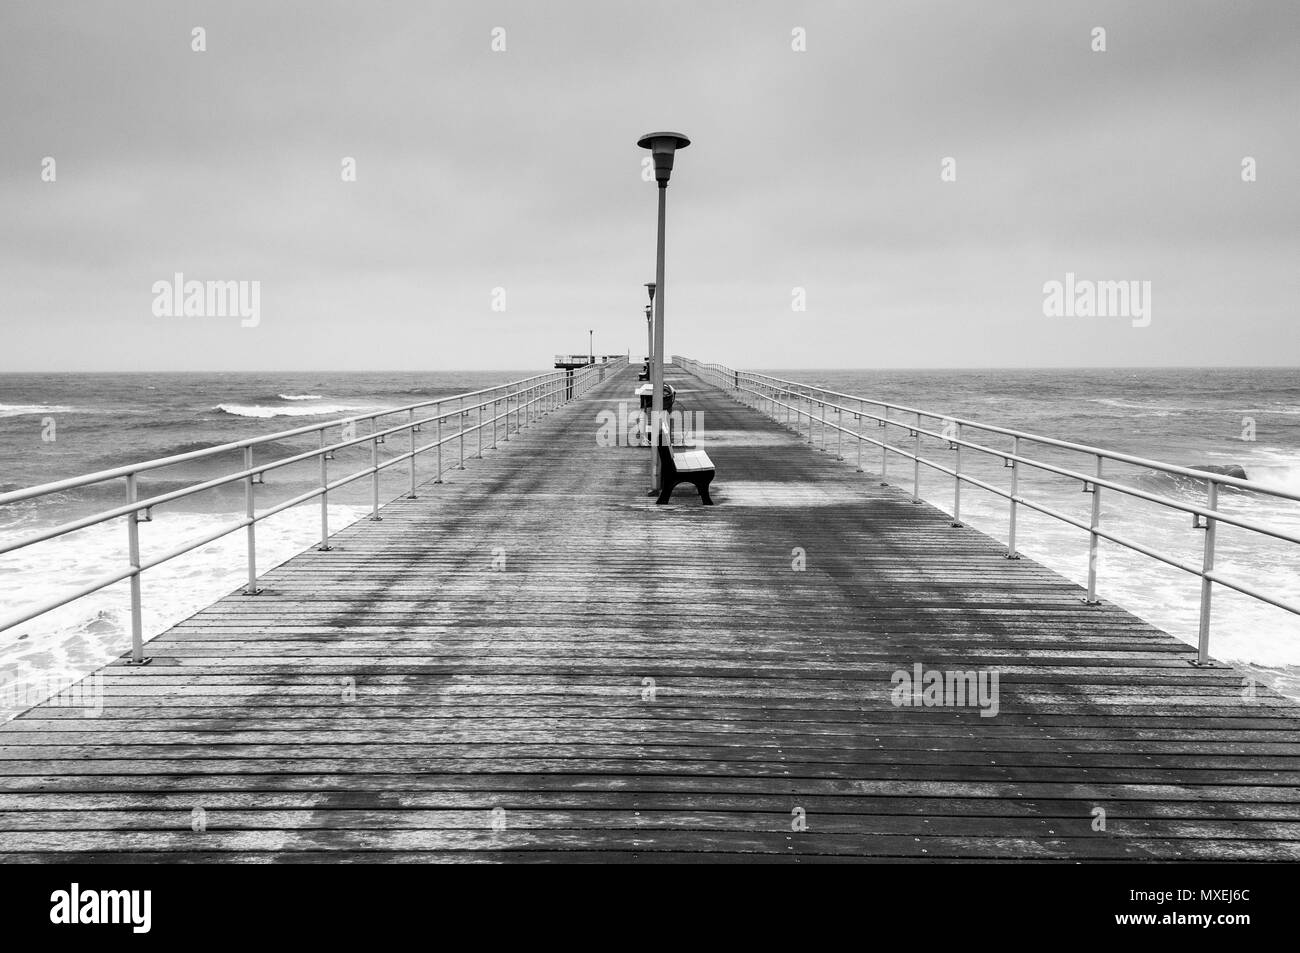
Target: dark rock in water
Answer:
pixel 1226 469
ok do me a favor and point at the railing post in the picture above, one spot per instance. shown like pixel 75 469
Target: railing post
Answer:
pixel 810 419
pixel 374 470
pixel 437 412
pixel 858 430
pixel 324 498
pixel 1207 566
pixel 916 460
pixel 956 483
pixel 479 428
pixel 460 432
pixel 411 432
pixel 839 432
pixel 496 402
pixel 884 445
pixel 250 511
pixel 1094 541
pixel 133 553
pixel 1015 490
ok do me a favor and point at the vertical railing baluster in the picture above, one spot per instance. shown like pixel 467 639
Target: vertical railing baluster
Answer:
pixel 437 410
pixel 884 445
pixel 324 498
pixel 1015 491
pixel 479 428
pixel 133 554
pixel 858 431
pixel 956 482
pixel 916 461
pixel 460 432
pixel 1094 541
pixel 1207 566
pixel 250 510
pixel 411 432
pixel 374 469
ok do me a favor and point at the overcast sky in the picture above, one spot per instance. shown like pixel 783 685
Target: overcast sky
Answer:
pixel 816 169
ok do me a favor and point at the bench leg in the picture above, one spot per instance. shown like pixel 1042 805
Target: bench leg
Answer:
pixel 704 490
pixel 666 493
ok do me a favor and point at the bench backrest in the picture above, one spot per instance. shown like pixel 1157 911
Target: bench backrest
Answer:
pixel 666 452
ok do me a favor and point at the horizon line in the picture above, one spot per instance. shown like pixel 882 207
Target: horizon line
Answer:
pixel 484 370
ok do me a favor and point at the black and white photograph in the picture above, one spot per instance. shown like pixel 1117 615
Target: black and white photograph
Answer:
pixel 561 432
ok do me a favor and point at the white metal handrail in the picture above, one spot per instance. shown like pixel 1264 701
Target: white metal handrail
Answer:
pixel 773 396
pixel 513 405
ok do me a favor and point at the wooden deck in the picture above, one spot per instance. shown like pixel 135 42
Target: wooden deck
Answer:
pixel 506 713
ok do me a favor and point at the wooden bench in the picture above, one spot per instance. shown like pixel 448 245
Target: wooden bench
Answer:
pixel 686 466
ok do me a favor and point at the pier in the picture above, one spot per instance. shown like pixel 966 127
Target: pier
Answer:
pixel 532 661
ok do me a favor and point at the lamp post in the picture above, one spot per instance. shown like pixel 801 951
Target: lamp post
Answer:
pixel 591 346
pixel 650 322
pixel 662 146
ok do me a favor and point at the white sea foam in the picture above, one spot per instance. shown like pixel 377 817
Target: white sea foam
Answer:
pixel 304 410
pixel 22 410
pixel 1154 410
pixel 299 396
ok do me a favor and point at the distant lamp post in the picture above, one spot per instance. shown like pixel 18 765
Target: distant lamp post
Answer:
pixel 662 145
pixel 591 346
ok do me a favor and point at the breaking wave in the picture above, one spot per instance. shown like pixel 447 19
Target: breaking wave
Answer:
pixel 290 410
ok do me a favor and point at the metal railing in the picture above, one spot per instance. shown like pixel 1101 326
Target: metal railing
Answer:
pixel 504 409
pixel 790 402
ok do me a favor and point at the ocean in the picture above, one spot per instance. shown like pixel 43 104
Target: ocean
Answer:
pixel 1186 416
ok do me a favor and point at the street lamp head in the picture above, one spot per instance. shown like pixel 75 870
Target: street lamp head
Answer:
pixel 650 287
pixel 662 145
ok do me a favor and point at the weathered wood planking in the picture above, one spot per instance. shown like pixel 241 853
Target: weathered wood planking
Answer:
pixel 501 632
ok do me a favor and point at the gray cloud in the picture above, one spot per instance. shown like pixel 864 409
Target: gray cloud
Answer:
pixel 519 169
